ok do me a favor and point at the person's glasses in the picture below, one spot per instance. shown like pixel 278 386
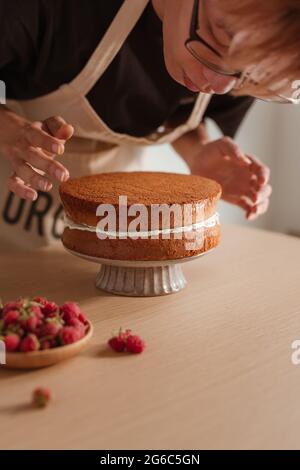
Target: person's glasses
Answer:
pixel 205 52
pixel 211 58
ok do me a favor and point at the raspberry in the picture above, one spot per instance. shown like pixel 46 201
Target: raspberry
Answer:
pixel 30 318
pixel 69 318
pixel 71 314
pixel 69 335
pixel 119 343
pixel 41 397
pixel 29 343
pixel 10 306
pixel 49 309
pixel 71 309
pixel 36 311
pixel 12 342
pixel 49 330
pixel 135 344
pixel 82 317
pixel 11 317
pixel 31 324
pixel 77 324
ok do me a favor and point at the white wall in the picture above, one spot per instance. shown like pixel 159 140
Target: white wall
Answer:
pixel 285 211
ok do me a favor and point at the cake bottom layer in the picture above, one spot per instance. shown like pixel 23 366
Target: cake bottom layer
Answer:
pixel 88 243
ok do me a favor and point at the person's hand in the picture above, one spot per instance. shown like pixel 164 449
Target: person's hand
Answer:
pixel 244 179
pixel 31 148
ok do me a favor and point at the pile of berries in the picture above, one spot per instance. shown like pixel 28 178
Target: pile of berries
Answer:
pixel 28 325
pixel 125 341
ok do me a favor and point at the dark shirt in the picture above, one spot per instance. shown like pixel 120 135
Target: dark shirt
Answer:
pixel 46 43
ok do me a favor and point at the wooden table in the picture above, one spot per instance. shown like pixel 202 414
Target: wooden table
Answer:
pixel 217 371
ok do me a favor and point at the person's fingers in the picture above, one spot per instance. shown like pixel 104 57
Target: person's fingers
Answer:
pixel 241 202
pixel 31 177
pixel 230 149
pixel 244 204
pixel 262 205
pixel 253 211
pixel 260 170
pixel 255 184
pixel 58 127
pixel 258 210
pixel 259 196
pixel 17 186
pixel 35 136
pixel 38 159
pixel 253 195
pixel 264 193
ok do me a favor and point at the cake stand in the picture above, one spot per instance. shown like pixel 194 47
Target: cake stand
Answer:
pixel 139 278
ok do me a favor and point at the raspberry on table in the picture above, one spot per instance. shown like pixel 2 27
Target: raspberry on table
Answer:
pixel 126 341
pixel 135 344
pixel 41 397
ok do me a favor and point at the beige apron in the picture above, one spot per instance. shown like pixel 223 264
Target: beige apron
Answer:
pixel 94 148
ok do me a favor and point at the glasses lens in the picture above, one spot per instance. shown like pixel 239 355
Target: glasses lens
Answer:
pixel 209 58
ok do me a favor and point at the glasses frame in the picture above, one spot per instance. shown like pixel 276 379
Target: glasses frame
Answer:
pixel 195 37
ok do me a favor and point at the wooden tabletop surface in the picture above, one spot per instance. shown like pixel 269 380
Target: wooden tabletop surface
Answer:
pixel 217 371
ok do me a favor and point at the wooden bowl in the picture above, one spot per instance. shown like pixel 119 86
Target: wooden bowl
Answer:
pixel 49 357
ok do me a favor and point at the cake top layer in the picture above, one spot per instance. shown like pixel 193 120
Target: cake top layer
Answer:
pixel 140 188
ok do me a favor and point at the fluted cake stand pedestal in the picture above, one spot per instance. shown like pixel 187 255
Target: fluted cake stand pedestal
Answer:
pixel 139 278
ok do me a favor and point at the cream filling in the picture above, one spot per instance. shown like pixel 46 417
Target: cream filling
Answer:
pixel 208 223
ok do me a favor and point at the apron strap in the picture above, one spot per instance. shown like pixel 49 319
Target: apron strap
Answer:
pixel 109 46
pixel 200 107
